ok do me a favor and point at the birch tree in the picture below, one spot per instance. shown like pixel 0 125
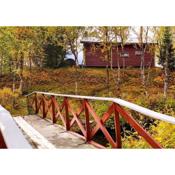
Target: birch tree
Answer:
pixel 104 35
pixel 121 34
pixel 110 37
pixel 143 35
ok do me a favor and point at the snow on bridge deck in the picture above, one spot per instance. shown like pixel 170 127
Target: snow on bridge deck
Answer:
pixel 41 133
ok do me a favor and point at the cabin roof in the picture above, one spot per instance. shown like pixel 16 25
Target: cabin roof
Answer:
pixel 96 40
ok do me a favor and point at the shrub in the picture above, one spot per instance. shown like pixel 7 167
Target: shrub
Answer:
pixel 158 81
pixel 132 142
pixel 164 133
pixel 8 98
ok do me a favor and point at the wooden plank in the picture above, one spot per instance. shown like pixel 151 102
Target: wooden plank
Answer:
pixel 56 134
pixel 34 135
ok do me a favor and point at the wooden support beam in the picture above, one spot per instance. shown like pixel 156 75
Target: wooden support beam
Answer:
pixel 53 109
pixel 141 131
pixel 36 104
pixel 44 107
pixel 117 127
pixel 66 114
pixel 88 130
pixel 101 125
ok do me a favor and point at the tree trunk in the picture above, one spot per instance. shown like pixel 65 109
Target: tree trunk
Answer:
pixel 1 66
pixel 107 78
pixel 110 56
pixel 13 85
pixel 166 72
pixel 76 72
pixel 30 64
pixel 10 65
pixel 21 85
pixel 142 67
pixel 116 77
pixel 118 80
pixel 21 64
pixel 118 72
pixel 148 74
pixel 76 58
pixel 76 88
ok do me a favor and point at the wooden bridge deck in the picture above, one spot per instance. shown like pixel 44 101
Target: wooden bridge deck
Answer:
pixel 42 133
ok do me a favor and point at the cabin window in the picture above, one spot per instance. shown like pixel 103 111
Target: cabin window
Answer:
pixel 97 46
pixel 124 54
pixel 138 52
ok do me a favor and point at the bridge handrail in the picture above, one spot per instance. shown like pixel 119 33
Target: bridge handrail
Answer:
pixel 132 106
pixel 11 135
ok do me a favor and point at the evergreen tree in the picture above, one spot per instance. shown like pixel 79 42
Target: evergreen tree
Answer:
pixel 54 55
pixel 167 56
pixel 166 50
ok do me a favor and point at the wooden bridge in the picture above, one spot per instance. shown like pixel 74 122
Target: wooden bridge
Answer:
pixel 71 121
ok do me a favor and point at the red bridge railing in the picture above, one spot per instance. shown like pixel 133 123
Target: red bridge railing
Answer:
pixel 48 105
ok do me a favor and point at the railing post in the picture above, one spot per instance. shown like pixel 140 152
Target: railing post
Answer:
pixel 36 104
pixel 44 107
pixel 2 143
pixel 28 105
pixel 117 127
pixel 88 132
pixel 53 109
pixel 67 114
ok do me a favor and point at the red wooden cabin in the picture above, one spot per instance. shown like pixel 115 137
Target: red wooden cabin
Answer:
pixel 129 56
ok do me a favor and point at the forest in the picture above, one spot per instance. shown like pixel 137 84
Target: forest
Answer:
pixel 34 59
